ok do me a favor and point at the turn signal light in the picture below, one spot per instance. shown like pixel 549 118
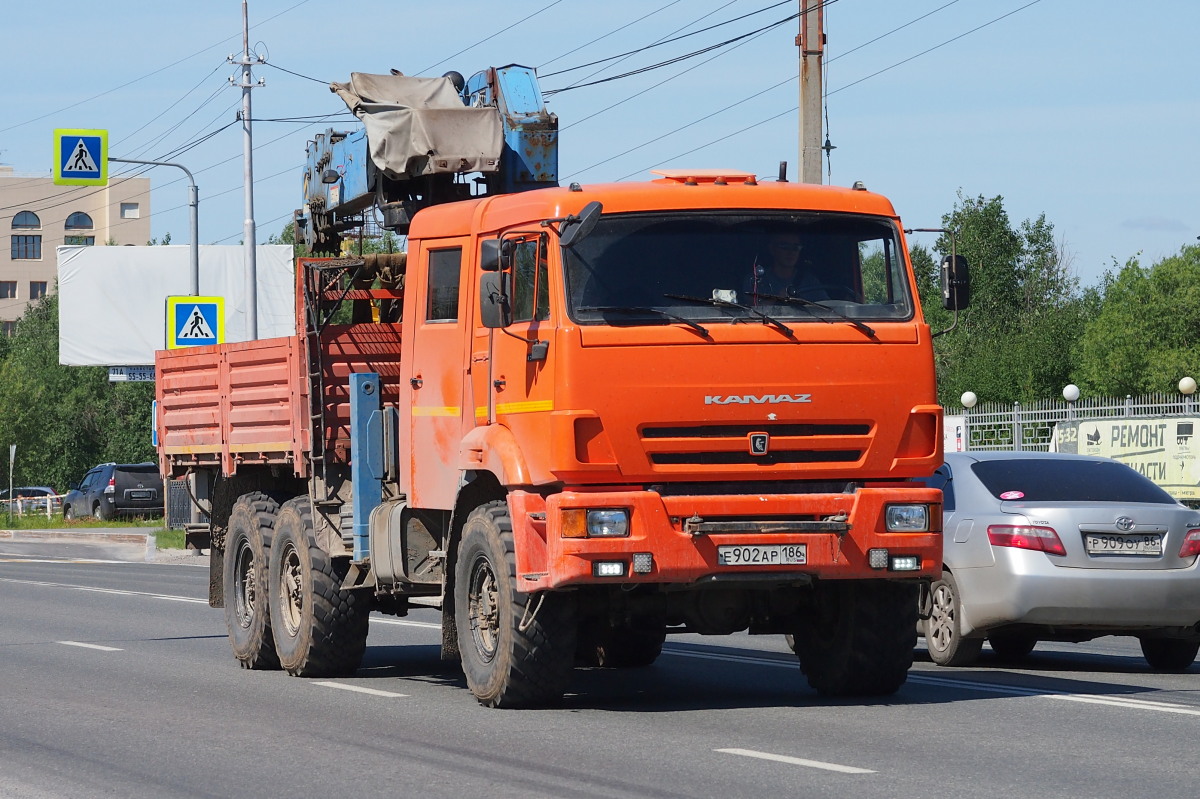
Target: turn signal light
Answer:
pixel 1191 544
pixel 1039 539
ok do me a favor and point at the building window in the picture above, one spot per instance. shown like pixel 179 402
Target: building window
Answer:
pixel 26 220
pixel 79 221
pixel 86 241
pixel 130 211
pixel 37 289
pixel 8 289
pixel 26 248
pixel 8 329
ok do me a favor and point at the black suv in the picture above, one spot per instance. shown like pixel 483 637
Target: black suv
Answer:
pixel 112 489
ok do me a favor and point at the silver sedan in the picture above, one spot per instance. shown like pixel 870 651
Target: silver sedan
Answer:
pixel 1053 547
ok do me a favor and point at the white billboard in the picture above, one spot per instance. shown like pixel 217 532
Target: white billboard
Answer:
pixel 112 300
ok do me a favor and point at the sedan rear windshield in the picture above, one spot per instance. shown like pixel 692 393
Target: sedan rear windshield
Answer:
pixel 1066 480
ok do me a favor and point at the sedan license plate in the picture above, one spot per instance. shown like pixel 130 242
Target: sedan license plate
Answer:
pixel 1144 544
pixel 762 555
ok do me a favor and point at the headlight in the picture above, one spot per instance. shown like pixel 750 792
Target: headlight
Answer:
pixel 907 518
pixel 608 523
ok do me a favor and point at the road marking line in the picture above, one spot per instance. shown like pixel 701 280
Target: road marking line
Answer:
pixel 118 591
pixel 426 624
pixel 361 690
pixel 1130 703
pixel 797 761
pixel 20 559
pixel 92 646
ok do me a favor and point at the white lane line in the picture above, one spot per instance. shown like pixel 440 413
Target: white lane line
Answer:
pixel 1129 703
pixel 20 559
pixel 402 623
pixel 797 761
pixel 361 690
pixel 118 591
pixel 92 646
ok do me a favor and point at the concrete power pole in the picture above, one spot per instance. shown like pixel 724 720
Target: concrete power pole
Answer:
pixel 811 42
pixel 246 84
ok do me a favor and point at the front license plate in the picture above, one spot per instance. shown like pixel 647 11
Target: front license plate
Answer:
pixel 762 555
pixel 1144 544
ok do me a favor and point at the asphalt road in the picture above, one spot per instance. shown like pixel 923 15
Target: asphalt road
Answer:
pixel 116 680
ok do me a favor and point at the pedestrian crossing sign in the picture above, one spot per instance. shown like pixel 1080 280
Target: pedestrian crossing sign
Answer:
pixel 195 321
pixel 80 157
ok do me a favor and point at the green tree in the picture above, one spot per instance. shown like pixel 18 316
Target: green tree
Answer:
pixel 1145 334
pixel 65 419
pixel 1015 343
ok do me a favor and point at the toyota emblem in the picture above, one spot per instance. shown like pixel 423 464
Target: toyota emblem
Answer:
pixel 1124 524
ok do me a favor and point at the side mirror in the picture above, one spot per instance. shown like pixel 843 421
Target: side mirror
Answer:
pixel 575 228
pixel 494 308
pixel 489 255
pixel 956 283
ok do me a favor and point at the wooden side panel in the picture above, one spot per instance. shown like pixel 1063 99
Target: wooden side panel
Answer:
pixel 234 403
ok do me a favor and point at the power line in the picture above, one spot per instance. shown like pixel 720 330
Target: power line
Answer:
pixel 606 35
pixel 297 74
pixel 484 39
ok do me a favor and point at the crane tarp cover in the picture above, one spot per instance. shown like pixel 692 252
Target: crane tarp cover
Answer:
pixel 419 126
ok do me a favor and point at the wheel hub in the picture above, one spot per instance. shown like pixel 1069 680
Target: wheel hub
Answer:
pixel 484 610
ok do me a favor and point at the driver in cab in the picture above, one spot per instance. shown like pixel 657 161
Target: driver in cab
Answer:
pixel 781 271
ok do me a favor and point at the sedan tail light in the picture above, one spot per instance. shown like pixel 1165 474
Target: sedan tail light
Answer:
pixel 1191 544
pixel 1039 539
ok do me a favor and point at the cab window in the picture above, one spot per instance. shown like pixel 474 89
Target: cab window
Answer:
pixel 441 303
pixel 531 295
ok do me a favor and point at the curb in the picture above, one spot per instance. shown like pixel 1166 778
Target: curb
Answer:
pixel 145 541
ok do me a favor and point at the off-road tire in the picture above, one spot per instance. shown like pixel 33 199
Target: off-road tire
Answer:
pixel 100 512
pixel 68 513
pixel 516 649
pixel 244 579
pixel 319 629
pixel 1169 654
pixel 619 647
pixel 1011 647
pixel 943 628
pixel 858 638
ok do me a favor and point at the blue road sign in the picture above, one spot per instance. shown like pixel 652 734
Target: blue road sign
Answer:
pixel 80 157
pixel 195 321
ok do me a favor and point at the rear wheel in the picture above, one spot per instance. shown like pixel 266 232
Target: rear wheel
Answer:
pixel 247 614
pixel 100 511
pixel 517 649
pixel 319 629
pixel 1169 654
pixel 858 638
pixel 943 628
pixel 1012 646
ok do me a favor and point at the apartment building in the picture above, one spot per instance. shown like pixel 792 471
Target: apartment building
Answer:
pixel 37 216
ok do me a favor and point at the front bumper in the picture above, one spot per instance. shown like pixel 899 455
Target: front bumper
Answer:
pixel 665 527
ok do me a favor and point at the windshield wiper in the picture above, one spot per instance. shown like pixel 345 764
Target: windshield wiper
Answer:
pixel 768 320
pixel 808 305
pixel 632 309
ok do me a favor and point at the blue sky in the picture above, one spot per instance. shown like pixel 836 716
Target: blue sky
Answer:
pixel 1084 110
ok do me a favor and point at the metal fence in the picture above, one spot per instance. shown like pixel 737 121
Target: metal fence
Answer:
pixel 993 425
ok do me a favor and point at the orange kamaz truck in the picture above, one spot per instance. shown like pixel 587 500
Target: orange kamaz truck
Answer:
pixel 578 420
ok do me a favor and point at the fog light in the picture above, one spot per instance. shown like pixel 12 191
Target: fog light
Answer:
pixel 907 518
pixel 608 523
pixel 877 558
pixel 608 568
pixel 906 563
pixel 643 562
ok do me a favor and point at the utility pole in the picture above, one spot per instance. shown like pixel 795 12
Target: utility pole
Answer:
pixel 811 42
pixel 248 234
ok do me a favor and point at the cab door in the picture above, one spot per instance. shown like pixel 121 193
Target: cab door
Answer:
pixel 436 348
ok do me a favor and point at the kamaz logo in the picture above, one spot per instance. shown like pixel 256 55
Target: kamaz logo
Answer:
pixel 754 399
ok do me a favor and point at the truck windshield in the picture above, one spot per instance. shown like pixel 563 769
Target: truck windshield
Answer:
pixel 646 268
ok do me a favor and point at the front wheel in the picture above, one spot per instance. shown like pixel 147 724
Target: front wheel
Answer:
pixel 943 628
pixel 68 513
pixel 1169 654
pixel 858 638
pixel 319 629
pixel 517 649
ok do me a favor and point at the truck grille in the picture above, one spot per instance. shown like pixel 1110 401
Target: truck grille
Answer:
pixel 728 444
